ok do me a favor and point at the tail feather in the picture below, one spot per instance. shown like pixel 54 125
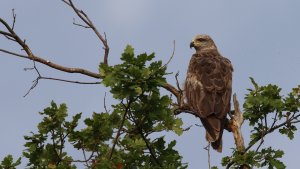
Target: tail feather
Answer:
pixel 217 145
pixel 214 131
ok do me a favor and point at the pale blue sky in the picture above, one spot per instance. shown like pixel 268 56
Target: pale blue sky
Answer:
pixel 261 38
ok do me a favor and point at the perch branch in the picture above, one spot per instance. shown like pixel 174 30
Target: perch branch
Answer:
pixel 234 125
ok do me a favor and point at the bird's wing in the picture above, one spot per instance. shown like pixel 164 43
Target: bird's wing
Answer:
pixel 208 84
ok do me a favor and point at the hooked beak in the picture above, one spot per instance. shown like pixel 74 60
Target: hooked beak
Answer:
pixel 192 44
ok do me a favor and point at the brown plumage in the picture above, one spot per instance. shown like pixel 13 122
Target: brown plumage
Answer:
pixel 208 88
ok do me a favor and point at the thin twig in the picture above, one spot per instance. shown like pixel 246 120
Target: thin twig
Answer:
pixel 207 148
pixel 80 25
pixel 105 108
pixel 6 34
pixel 260 144
pixel 35 83
pixel 13 53
pixel 69 81
pixel 86 160
pixel 84 156
pixel 173 52
pixel 84 17
pixel 14 19
pixel 152 153
pixel 119 131
pixel 290 120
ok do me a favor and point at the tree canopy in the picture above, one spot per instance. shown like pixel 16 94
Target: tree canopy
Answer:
pixel 132 134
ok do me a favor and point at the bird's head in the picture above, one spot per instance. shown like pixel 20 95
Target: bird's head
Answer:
pixel 202 42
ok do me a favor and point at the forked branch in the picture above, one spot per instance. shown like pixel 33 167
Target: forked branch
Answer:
pixel 12 35
pixel 89 24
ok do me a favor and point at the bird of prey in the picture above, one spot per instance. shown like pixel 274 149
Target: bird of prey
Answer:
pixel 208 88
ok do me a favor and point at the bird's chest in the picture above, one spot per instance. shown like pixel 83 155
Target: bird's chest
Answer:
pixel 206 66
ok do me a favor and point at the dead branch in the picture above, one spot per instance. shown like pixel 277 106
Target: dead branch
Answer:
pixel 235 124
pixel 84 17
pixel 30 56
pixel 173 52
pixel 68 81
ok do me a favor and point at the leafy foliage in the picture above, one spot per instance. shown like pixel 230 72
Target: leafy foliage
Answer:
pixel 255 159
pixel 46 148
pixel 8 162
pixel 136 84
pixel 260 104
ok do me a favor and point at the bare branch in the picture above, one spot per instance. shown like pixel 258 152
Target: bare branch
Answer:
pixel 105 108
pixel 56 66
pixel 69 81
pixel 84 17
pixel 14 19
pixel 33 57
pixel 6 34
pixel 80 25
pixel 171 89
pixel 17 38
pixel 235 124
pixel 15 54
pixel 207 148
pixel 173 52
pixel 85 160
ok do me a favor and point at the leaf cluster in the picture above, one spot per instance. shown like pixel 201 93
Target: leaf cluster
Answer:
pixel 265 101
pixel 267 111
pixel 136 83
pixel 133 77
pixel 255 159
pixel 8 162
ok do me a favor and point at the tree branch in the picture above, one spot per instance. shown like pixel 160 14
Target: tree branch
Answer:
pixel 119 131
pixel 84 17
pixel 235 125
pixel 288 121
pixel 152 153
pixel 68 81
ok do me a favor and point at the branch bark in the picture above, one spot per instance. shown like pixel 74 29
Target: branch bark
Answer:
pixel 235 125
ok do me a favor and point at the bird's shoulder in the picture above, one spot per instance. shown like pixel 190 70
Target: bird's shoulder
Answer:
pixel 210 59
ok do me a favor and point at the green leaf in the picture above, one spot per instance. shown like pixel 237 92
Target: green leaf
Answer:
pixel 254 83
pixel 128 54
pixel 277 164
pixel 177 127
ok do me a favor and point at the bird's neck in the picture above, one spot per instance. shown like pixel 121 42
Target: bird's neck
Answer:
pixel 211 49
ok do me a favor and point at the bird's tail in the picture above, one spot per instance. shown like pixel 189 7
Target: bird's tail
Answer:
pixel 217 145
pixel 214 131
